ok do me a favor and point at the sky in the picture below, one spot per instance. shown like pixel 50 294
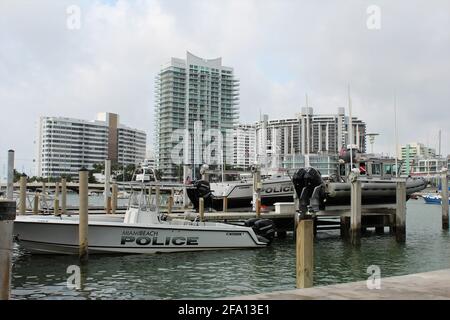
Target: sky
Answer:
pixel 51 65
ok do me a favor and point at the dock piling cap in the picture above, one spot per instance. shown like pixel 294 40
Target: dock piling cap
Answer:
pixel 7 210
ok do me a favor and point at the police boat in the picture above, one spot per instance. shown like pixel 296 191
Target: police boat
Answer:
pixel 143 229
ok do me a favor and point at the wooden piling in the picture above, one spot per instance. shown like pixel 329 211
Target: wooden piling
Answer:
pixel 400 212
pixel 296 222
pixel 305 253
pixel 392 224
pixel 355 214
pixel 10 176
pixel 225 203
pixel 169 204
pixel 56 200
pixel 114 198
pixel 157 197
pixel 108 205
pixel 107 191
pixel 36 203
pixel 296 201
pixel 444 197
pixel 315 223
pixel 258 208
pixel 23 194
pixel 63 196
pixel 201 209
pixel 345 227
pixel 83 216
pixel 7 217
pixel 43 196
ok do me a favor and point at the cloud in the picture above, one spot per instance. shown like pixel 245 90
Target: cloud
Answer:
pixel 280 50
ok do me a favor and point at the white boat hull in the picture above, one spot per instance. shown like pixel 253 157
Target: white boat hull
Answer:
pixel 54 235
pixel 240 194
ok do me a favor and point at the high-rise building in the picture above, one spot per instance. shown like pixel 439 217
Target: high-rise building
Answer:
pixel 193 93
pixel 244 145
pixel 65 145
pixel 415 156
pixel 416 149
pixel 307 133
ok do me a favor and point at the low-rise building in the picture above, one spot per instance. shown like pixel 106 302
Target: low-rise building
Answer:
pixel 65 145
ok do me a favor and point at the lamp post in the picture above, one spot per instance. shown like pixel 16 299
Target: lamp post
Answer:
pixel 371 137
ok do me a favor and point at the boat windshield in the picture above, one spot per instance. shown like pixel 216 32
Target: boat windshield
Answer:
pixel 141 200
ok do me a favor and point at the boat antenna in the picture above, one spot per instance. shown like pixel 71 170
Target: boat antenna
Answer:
pixel 307 125
pixel 350 128
pixel 440 142
pixel 396 135
pixel 223 169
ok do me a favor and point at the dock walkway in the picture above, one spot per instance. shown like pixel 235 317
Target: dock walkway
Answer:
pixel 434 285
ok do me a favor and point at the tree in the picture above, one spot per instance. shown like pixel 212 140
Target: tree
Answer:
pixel 91 178
pixel 125 173
pixel 98 167
pixel 17 175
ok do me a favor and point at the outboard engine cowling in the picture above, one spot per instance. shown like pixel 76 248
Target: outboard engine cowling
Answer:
pixel 308 183
pixel 201 189
pixel 263 228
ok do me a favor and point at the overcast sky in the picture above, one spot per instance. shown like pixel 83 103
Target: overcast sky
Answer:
pixel 279 50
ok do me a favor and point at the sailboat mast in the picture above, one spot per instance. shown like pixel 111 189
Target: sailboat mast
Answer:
pixel 440 141
pixel 307 125
pixel 396 135
pixel 350 128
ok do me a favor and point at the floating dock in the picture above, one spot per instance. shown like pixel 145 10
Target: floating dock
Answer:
pixel 434 285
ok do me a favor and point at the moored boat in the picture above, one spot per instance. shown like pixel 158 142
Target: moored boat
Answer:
pixel 433 198
pixel 240 193
pixel 314 191
pixel 377 176
pixel 142 230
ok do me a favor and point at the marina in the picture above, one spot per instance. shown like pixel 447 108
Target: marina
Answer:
pixel 221 274
pixel 224 155
pixel 364 208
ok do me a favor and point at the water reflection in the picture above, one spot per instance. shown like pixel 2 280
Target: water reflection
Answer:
pixel 236 272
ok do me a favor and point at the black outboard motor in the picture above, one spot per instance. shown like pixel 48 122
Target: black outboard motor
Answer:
pixel 305 183
pixel 201 189
pixel 264 229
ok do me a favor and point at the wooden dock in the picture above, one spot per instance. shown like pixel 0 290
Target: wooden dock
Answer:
pixel 334 218
pixel 434 285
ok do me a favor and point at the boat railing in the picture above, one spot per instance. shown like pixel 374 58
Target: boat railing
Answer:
pixel 46 201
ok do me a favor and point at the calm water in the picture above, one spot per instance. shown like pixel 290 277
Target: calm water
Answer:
pixel 230 273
